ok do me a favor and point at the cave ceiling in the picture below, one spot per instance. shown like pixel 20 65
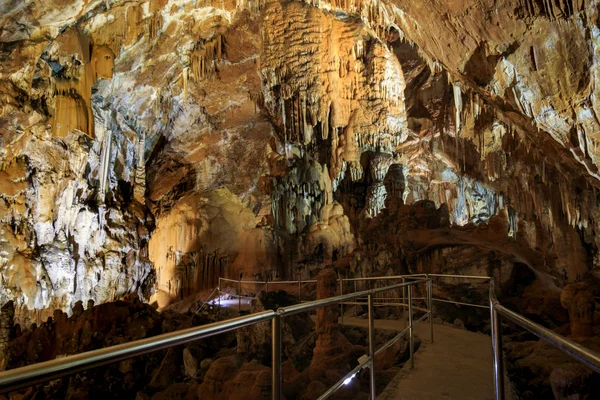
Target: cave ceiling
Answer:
pixel 153 146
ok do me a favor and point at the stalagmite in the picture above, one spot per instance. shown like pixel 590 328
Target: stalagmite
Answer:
pixel 150 148
pixel 139 190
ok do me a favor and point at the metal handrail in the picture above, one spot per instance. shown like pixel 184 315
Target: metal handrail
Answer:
pixel 460 303
pixel 568 346
pixel 575 350
pixel 312 305
pixel 586 356
pixel 342 381
pixel 37 373
pixel 367 279
pixel 372 353
pixel 23 377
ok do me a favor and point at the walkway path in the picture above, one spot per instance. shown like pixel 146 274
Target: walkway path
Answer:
pixel 457 366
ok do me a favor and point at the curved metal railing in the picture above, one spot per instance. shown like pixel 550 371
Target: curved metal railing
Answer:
pixel 37 373
pixel 575 350
pixel 588 357
pixel 23 377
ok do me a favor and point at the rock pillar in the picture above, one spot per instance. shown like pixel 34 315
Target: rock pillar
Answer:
pixel 579 301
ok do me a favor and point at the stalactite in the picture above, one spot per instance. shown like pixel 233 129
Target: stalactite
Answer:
pixel 457 105
pixel 205 58
pixel 185 82
pixel 105 161
pixel 139 192
pixel 553 9
pixel 512 222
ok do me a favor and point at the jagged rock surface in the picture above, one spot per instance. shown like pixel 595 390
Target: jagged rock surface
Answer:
pixel 152 146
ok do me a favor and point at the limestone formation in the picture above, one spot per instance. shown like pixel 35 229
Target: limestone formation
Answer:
pixel 317 116
pixel 149 147
pixel 333 353
pixel 578 299
pixel 571 381
pixel 7 315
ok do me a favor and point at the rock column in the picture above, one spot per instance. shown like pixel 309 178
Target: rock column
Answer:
pixel 580 303
pixel 330 360
pixel 376 194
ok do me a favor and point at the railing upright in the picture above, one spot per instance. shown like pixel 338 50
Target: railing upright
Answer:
pixel 372 344
pixel 496 331
pixel 276 357
pixel 410 327
pixel 430 305
pixel 240 295
pixel 341 293
pixel 404 303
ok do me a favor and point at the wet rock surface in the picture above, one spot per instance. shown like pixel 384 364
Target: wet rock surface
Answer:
pixel 150 147
pixel 154 146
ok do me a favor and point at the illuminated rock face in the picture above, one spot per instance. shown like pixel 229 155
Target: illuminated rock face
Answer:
pixel 73 66
pixel 196 238
pixel 153 146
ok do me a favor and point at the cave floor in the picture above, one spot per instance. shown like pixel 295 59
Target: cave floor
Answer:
pixel 458 365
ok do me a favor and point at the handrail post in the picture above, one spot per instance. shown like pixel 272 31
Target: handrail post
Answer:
pixel 410 327
pixel 341 293
pixel 496 329
pixel 276 357
pixel 267 284
pixel 404 303
pixel 239 295
pixel 372 343
pixel 430 304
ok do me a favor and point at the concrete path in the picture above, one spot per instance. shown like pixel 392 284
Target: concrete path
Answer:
pixel 457 366
pixel 386 324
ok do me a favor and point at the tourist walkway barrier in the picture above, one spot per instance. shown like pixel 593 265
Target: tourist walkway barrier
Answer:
pixel 584 355
pixel 23 377
pixel 581 353
pixel 37 373
pixel 575 350
pixel 266 285
pixel 239 285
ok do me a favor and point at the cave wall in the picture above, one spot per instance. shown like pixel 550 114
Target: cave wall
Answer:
pixel 153 146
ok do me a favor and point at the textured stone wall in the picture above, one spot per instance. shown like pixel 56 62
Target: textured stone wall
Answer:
pixel 153 146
